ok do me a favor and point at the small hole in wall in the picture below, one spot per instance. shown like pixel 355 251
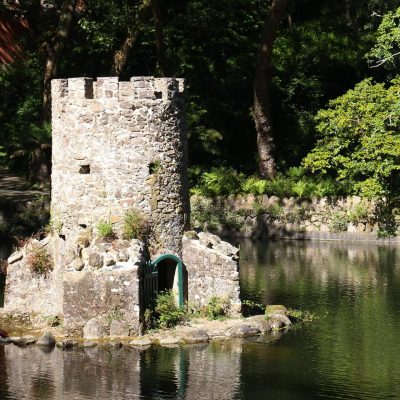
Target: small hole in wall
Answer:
pixel 84 169
pixel 84 226
pixel 158 95
pixel 62 237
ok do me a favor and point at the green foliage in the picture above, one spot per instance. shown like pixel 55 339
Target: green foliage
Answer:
pixel 25 139
pixel 167 313
pixel 359 140
pixel 296 215
pixel 300 188
pixel 105 230
pixel 254 185
pixel 275 211
pixel 339 222
pixel 39 260
pixel 219 181
pixel 359 213
pixel 115 315
pixel 31 219
pixel 301 316
pixel 275 308
pixel 212 215
pixel 54 226
pixel 225 181
pixel 217 308
pixel 386 49
pixel 135 226
pixel 385 216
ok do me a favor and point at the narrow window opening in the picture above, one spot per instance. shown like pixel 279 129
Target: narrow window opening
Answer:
pixel 158 95
pixel 62 237
pixel 84 169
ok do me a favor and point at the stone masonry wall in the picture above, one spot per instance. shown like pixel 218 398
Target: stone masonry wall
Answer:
pixel 116 146
pixel 212 270
pixel 346 218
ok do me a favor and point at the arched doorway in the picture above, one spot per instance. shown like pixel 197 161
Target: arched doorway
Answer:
pixel 163 273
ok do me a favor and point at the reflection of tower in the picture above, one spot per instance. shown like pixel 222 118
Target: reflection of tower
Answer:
pixel 214 371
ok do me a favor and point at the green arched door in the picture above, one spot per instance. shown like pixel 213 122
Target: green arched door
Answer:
pixel 154 278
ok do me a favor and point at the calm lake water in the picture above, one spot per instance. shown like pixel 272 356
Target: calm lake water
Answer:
pixel 350 352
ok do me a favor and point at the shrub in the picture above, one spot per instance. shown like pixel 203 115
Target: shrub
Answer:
pixel 339 222
pixel 167 313
pixel 254 185
pixel 301 315
pixel 216 308
pixel 212 214
pixel 106 230
pixel 39 260
pixel 135 226
pixel 300 188
pixel 297 215
pixel 275 211
pixel 221 181
pixel 387 224
pixel 358 214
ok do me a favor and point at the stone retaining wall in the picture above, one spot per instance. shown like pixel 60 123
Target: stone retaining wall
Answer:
pixel 350 218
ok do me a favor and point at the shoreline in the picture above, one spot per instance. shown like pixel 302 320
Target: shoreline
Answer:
pixel 196 330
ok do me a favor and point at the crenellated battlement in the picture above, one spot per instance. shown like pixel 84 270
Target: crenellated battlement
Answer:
pixel 142 87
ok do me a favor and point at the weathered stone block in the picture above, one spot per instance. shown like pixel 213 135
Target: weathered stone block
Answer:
pixel 212 269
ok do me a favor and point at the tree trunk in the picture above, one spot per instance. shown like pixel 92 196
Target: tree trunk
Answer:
pixel 121 55
pixel 159 31
pixel 262 100
pixel 53 53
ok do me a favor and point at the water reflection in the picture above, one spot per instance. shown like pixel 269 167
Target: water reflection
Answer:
pixel 194 372
pixel 351 350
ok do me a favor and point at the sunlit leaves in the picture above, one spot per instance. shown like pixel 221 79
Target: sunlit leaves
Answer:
pixel 360 138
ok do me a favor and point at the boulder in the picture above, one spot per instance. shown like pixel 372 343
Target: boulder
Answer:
pixel 195 336
pixel 278 321
pixel 140 342
pixel 95 328
pixel 170 340
pixel 24 341
pixel 275 309
pixel 78 264
pixel 260 322
pixel 242 331
pixel 95 260
pixel 47 339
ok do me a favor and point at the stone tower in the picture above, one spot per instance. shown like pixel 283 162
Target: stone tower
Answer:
pixel 119 146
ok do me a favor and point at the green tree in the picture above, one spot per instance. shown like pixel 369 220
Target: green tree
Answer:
pixel 359 138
